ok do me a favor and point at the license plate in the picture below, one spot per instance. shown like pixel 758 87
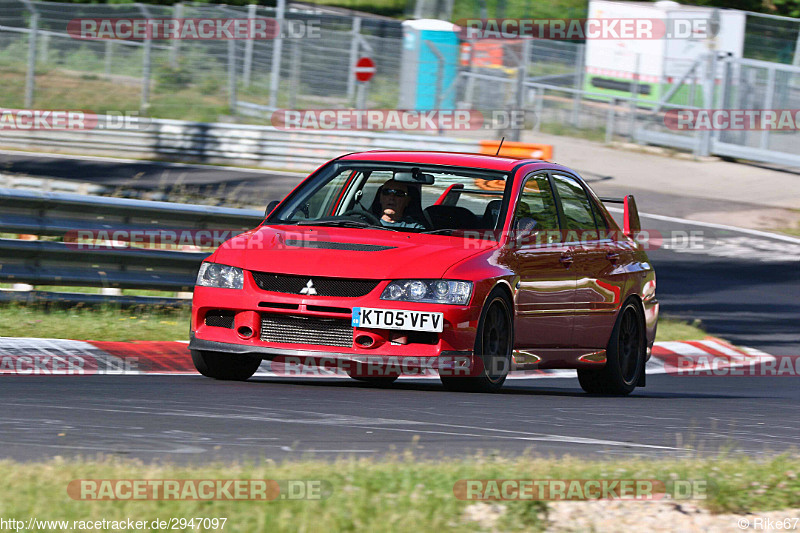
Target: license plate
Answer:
pixel 365 317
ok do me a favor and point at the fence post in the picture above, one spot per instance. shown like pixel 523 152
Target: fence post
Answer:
pixel 610 119
pixel 522 70
pixel 796 59
pixel 44 48
pixel 177 14
pixel 704 147
pixel 634 104
pixel 109 54
pixel 440 62
pixel 576 100
pixel 355 40
pixel 248 47
pixel 30 77
pixel 539 109
pixel 419 9
pixel 469 90
pixel 768 99
pixel 232 75
pixel 277 46
pixel 146 63
pixel 294 75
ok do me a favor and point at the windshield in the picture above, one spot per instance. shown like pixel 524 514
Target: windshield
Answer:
pixel 398 197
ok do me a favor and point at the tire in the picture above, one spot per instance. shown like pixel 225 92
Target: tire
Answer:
pixel 226 366
pixel 625 356
pixel 382 381
pixel 494 342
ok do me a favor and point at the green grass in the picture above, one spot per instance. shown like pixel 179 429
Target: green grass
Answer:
pixel 95 290
pixel 392 494
pixel 153 324
pixel 670 329
pixel 101 324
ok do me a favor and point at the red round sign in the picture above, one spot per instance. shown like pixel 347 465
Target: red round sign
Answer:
pixel 365 69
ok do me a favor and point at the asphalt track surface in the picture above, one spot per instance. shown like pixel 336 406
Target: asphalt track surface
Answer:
pixel 193 419
pixel 743 286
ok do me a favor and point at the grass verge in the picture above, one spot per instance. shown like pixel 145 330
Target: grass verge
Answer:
pixel 393 494
pixel 154 324
pixel 99 324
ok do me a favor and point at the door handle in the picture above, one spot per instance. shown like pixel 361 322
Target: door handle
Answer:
pixel 612 256
pixel 566 260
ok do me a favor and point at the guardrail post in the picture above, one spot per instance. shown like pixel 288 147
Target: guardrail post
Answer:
pixel 247 67
pixel 30 76
pixel 277 46
pixel 355 40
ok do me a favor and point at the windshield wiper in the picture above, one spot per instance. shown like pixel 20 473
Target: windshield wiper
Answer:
pixel 435 231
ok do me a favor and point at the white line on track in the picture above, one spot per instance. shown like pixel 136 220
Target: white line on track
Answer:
pixel 748 231
pixel 369 423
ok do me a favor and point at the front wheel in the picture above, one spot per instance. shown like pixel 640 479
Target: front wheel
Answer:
pixel 625 356
pixel 494 342
pixel 227 366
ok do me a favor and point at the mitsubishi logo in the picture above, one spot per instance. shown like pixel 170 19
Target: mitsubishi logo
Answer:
pixel 309 289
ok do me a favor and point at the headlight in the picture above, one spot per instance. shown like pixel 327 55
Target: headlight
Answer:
pixel 437 291
pixel 223 276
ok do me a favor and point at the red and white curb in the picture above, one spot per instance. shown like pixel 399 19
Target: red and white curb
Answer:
pixel 32 356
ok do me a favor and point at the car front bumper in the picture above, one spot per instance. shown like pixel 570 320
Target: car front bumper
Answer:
pixel 250 305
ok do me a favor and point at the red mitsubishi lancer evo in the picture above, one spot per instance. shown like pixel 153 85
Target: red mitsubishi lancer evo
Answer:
pixel 470 265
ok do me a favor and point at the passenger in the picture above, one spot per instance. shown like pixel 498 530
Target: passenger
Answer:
pixel 396 205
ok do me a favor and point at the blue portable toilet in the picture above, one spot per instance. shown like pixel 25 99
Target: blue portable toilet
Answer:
pixel 420 65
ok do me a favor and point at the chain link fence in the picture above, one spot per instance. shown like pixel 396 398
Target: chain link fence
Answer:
pixel 308 64
pixel 311 66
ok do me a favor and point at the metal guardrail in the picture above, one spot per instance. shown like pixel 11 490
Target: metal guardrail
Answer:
pixel 54 262
pixel 250 145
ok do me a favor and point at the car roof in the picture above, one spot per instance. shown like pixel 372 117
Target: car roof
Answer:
pixel 488 162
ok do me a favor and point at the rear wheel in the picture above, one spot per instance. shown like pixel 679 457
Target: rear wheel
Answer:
pixel 493 345
pixel 625 356
pixel 227 366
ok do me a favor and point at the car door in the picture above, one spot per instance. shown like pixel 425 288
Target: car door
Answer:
pixel 599 283
pixel 545 296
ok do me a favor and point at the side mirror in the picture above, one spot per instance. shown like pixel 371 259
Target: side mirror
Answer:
pixel 271 207
pixel 631 223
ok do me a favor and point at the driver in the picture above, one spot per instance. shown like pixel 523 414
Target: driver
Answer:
pixel 394 198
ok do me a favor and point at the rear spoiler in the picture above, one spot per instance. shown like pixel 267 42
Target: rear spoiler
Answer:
pixel 631 223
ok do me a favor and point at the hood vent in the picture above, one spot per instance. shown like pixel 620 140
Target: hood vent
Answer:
pixel 329 245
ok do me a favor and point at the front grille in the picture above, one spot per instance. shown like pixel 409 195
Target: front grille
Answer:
pixel 219 319
pixel 343 288
pixel 306 330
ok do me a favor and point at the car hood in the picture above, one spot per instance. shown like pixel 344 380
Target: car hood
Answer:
pixel 347 252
